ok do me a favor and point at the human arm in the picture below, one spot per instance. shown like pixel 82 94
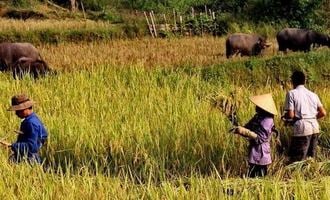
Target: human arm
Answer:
pixel 28 141
pixel 261 130
pixel 289 106
pixel 245 132
pixel 321 112
pixel 289 114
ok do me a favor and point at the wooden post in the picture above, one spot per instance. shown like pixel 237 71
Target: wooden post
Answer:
pixel 149 26
pixel 165 21
pixel 192 12
pixel 181 24
pixel 153 24
pixel 73 5
pixel 201 23
pixel 83 9
pixel 174 17
pixel 153 16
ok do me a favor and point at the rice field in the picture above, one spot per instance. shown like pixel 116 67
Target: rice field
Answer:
pixel 133 119
pixel 146 52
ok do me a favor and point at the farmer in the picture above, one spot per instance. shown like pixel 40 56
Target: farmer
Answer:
pixel 258 131
pixel 32 134
pixel 303 108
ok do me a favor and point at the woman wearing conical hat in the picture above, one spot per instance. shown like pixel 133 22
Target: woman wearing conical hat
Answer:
pixel 258 131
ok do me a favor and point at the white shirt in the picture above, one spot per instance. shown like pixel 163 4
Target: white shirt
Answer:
pixel 304 104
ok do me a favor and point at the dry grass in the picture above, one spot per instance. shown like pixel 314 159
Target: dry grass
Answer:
pixel 143 52
pixel 51 24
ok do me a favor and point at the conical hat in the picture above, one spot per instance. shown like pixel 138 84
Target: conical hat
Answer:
pixel 265 102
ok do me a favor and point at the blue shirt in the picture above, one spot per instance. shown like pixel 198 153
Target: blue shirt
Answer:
pixel 32 138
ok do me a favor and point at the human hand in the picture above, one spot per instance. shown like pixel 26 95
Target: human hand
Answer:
pixel 233 130
pixel 7 144
pixel 237 129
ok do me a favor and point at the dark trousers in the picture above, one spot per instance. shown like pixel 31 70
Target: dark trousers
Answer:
pixel 303 147
pixel 257 170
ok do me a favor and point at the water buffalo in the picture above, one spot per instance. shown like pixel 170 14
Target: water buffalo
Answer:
pixel 35 68
pixel 245 44
pixel 300 39
pixel 11 52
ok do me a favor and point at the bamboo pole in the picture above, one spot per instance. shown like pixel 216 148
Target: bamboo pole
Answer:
pixel 181 24
pixel 56 6
pixel 202 24
pixel 153 24
pixel 153 16
pixel 83 9
pixel 165 22
pixel 149 26
pixel 174 18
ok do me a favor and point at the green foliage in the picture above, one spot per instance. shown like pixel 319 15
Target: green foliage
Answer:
pixel 108 15
pixel 205 24
pixel 22 3
pixel 200 24
pixel 134 30
pixel 222 22
pixel 275 70
pixel 96 5
pixel 297 13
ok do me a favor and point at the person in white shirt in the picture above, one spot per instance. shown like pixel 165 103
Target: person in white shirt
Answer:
pixel 303 107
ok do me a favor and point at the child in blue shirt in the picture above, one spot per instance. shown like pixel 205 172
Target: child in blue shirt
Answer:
pixel 32 134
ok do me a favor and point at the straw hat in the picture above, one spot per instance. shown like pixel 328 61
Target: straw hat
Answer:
pixel 265 102
pixel 20 102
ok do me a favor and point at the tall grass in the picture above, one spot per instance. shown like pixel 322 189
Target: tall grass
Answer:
pixel 146 52
pixel 141 121
pixel 56 31
pixel 138 132
pixel 24 182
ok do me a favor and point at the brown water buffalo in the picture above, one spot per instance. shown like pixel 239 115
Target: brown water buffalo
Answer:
pixel 300 39
pixel 11 52
pixel 34 68
pixel 245 44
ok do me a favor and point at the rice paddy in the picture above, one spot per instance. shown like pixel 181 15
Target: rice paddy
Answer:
pixel 133 119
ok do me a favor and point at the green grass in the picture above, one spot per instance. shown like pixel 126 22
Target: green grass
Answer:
pixel 144 133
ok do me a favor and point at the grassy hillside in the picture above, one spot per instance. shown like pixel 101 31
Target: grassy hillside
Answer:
pixel 139 132
pixel 158 124
pixel 34 21
pixel 135 118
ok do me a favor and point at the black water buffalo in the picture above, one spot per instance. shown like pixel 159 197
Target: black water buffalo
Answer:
pixel 300 39
pixel 245 44
pixel 34 68
pixel 11 52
